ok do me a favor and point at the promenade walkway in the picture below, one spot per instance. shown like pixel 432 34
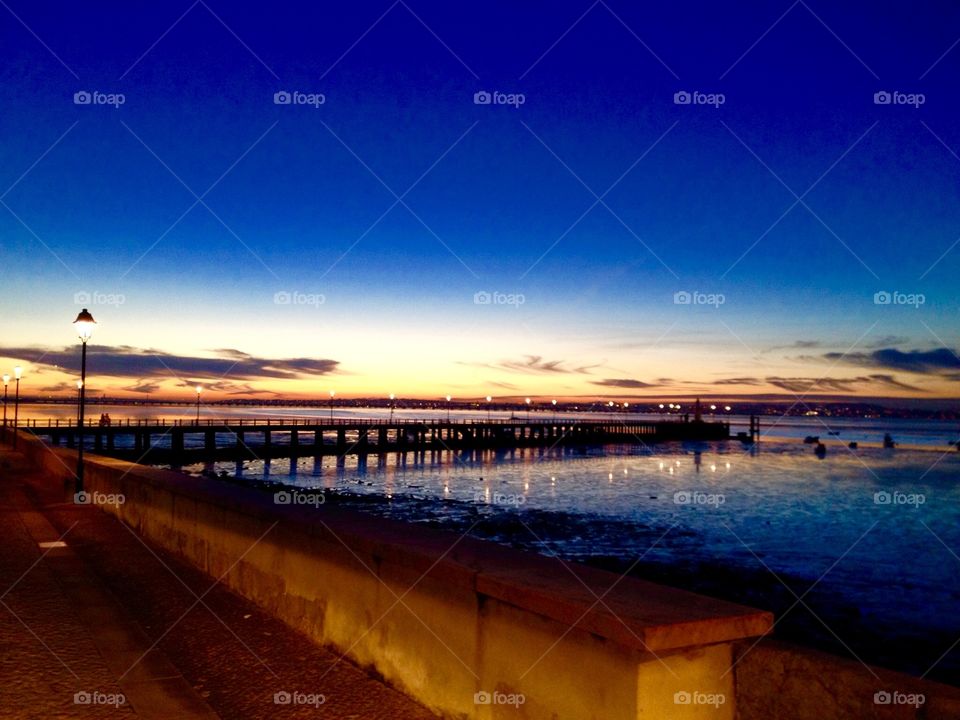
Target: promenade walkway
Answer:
pixel 96 624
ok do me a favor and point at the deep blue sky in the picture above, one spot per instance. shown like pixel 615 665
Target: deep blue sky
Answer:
pixel 599 81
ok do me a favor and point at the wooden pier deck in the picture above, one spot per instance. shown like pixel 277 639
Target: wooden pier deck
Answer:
pixel 211 438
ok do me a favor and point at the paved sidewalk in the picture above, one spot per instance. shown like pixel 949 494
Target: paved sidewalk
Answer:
pixel 89 614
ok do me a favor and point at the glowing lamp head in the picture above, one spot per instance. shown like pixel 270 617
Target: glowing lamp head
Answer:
pixel 449 398
pixel 727 408
pixel 199 389
pixel 79 384
pixel 392 396
pixel 18 372
pixel 626 404
pixel 554 402
pixel 713 407
pixel 84 324
pixel 489 398
pixel 6 379
pixel 333 393
pixel 528 401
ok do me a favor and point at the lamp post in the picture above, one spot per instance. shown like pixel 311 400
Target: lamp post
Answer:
pixel 488 407
pixel 6 381
pixel 79 388
pixel 554 402
pixel 84 324
pixel 448 407
pixel 528 401
pixel 332 395
pixel 17 373
pixel 392 398
pixel 199 390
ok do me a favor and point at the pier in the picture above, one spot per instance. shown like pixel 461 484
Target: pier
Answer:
pixel 295 437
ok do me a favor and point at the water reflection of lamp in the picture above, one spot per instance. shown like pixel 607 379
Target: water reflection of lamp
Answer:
pixel 84 324
pixel 332 395
pixel 199 390
pixel 488 407
pixel 392 398
pixel 448 407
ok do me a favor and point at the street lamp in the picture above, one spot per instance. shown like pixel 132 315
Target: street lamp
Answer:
pixel 199 390
pixel 332 395
pixel 528 409
pixel 84 324
pixel 392 398
pixel 554 403
pixel 488 407
pixel 6 381
pixel 448 407
pixel 17 373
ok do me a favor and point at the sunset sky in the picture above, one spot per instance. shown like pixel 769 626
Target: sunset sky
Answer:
pixel 400 237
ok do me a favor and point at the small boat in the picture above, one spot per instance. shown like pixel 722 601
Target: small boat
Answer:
pixel 811 439
pixel 888 441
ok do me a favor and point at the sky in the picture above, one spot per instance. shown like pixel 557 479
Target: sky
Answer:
pixel 564 199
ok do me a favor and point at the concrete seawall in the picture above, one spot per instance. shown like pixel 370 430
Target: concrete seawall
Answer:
pixel 470 628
